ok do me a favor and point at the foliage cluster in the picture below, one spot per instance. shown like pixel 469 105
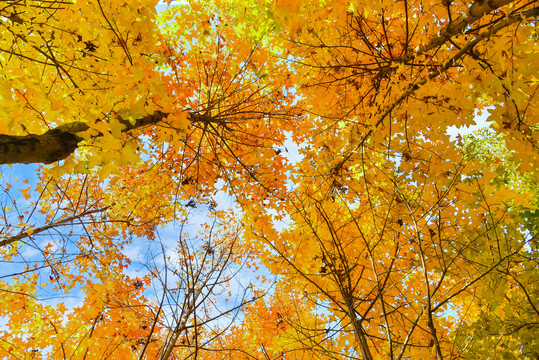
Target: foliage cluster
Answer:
pixel 382 239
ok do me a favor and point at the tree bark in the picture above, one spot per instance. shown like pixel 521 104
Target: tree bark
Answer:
pixel 58 143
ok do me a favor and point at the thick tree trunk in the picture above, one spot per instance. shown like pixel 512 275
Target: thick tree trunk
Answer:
pixel 52 146
pixel 58 143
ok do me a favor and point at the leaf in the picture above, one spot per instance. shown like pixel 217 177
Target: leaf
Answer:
pixel 26 193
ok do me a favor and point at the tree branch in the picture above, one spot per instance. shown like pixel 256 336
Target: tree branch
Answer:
pixel 457 26
pixel 58 143
pixel 519 16
pixel 24 234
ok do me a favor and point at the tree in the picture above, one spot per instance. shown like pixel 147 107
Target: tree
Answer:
pixel 411 244
pixel 388 239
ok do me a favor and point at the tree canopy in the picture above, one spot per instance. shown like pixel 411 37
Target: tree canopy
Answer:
pixel 386 236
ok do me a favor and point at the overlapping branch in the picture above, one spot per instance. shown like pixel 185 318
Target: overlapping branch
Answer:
pixel 60 142
pixel 443 36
